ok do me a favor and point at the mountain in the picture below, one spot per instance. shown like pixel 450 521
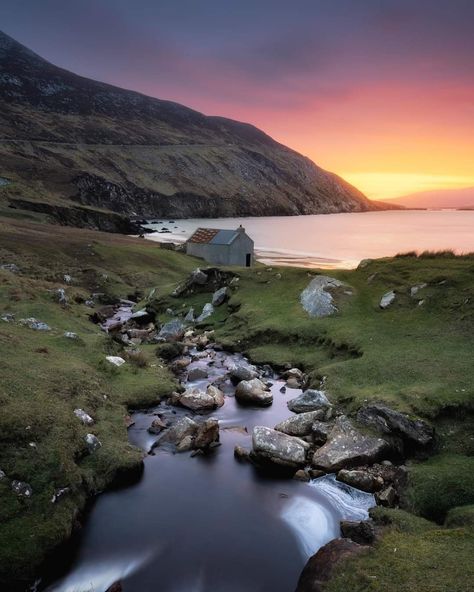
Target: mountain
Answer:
pixel 438 198
pixel 86 153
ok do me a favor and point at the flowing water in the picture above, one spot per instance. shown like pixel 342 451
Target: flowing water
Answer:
pixel 339 240
pixel 209 523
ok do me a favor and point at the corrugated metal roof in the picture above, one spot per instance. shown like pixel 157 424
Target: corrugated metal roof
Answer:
pixel 224 237
pixel 213 236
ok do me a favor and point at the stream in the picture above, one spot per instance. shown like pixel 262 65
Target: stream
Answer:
pixel 208 522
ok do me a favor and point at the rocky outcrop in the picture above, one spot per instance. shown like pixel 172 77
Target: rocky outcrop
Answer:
pixel 360 480
pixel 361 532
pixel 413 431
pixel 320 566
pixel 272 447
pixel 346 447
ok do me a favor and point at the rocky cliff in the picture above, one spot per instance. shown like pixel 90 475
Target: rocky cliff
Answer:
pixel 74 142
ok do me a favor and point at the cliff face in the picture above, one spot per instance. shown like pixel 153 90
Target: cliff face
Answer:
pixel 75 142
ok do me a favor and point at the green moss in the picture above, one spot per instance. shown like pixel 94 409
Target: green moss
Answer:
pixel 462 517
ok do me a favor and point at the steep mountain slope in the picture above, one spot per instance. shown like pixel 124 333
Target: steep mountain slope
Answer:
pixel 439 198
pixel 70 144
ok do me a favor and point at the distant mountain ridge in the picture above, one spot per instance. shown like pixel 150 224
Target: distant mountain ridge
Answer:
pixel 70 142
pixel 438 198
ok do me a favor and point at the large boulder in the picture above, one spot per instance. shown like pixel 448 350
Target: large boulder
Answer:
pixel 346 447
pixel 270 446
pixel 310 400
pixel 388 421
pixel 253 392
pixel 301 424
pixel 198 400
pixel 316 298
pixel 320 566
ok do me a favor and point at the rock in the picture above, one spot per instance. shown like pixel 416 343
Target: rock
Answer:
pixel 320 430
pixel 157 426
pixel 93 443
pixel 277 448
pixel 320 566
pixel 315 473
pixel 310 400
pixel 189 318
pixel 220 296
pixel 83 416
pixel 115 360
pixel 198 400
pixel 346 447
pixel 58 494
pixel 10 267
pixel 115 587
pixel 301 424
pixel 197 374
pixel 140 314
pixel 364 263
pixel 387 299
pixel 387 497
pixel 416 288
pixel 242 371
pixel 253 392
pixel 2 474
pixel 207 434
pixel 170 350
pixel 67 278
pixel 185 444
pixel 180 364
pixel 207 311
pixel 198 277
pixel 293 383
pixel 171 331
pixel 70 335
pixel 360 480
pixel 241 453
pixel 61 296
pixel 33 323
pixel 294 373
pixel 316 298
pixel 21 488
pixel 362 532
pixel 8 317
pixel 389 421
pixel 301 475
pixel 181 429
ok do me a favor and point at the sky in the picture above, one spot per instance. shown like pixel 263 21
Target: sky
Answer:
pixel 380 92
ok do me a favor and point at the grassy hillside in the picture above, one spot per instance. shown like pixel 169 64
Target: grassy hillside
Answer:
pixel 415 357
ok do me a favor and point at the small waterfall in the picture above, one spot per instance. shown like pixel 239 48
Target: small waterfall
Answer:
pixel 349 503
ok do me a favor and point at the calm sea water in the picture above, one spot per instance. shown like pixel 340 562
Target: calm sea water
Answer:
pixel 341 240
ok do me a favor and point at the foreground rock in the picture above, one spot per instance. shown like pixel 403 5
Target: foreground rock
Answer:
pixel 316 298
pixel 310 400
pixel 361 480
pixel 389 421
pixel 187 434
pixel 253 392
pixel 320 566
pixel 301 424
pixel 270 446
pixel 346 447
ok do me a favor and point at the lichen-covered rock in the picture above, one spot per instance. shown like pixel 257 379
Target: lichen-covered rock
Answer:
pixel 242 371
pixel 157 426
pixel 277 448
pixel 310 400
pixel 316 298
pixel 177 432
pixel 253 392
pixel 207 434
pixel 320 431
pixel 92 442
pixel 199 400
pixel 346 447
pixel 301 424
pixel 84 417
pixel 389 421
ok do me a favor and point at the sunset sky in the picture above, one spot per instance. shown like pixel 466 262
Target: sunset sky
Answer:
pixel 380 92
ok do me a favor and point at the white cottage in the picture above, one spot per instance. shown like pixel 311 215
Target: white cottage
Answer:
pixel 222 247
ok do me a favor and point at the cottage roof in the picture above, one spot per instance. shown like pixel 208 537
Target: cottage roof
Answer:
pixel 214 236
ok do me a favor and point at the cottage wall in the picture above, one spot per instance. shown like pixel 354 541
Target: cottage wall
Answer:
pixel 233 254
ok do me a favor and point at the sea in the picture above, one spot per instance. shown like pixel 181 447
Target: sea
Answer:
pixel 337 240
